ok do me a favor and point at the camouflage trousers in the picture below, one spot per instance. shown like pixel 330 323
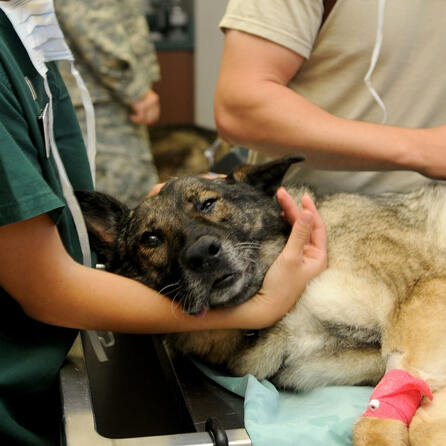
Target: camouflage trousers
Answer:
pixel 124 162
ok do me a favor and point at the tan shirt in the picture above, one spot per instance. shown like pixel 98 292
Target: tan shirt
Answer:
pixel 410 75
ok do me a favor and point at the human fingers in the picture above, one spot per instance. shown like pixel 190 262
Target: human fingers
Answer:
pixel 318 233
pixel 294 215
pixel 314 253
pixel 136 118
pixel 138 111
pixel 146 115
pixel 290 209
pixel 153 108
pixel 146 109
pixel 155 190
pixel 152 114
pixel 138 106
pixel 212 175
pixel 299 236
pixel 148 99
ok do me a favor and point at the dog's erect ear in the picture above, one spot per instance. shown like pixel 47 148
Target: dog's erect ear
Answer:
pixel 104 217
pixel 267 176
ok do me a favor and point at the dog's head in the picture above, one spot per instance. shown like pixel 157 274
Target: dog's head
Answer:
pixel 202 242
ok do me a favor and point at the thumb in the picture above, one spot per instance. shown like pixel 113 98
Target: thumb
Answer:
pixel 299 236
pixel 300 232
pixel 302 221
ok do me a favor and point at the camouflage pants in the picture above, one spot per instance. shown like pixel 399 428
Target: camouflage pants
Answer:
pixel 124 162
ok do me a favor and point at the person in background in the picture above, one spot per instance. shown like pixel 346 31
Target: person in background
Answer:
pixel 111 44
pixel 48 291
pixel 361 95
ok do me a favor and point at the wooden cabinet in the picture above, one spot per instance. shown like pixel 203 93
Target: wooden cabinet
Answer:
pixel 176 87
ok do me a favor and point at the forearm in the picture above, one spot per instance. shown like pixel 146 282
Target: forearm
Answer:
pixel 274 120
pixel 255 108
pixel 90 299
pixel 59 291
pixel 97 300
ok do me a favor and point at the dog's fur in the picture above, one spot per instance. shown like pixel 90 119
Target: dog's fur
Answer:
pixel 381 304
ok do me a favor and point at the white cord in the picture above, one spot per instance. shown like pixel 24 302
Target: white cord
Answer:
pixel 67 189
pixel 375 57
pixel 90 119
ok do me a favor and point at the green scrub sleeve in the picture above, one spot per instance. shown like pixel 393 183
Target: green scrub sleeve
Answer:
pixel 23 191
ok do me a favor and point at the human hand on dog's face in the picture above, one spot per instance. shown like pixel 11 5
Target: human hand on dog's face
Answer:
pixel 302 259
pixel 314 253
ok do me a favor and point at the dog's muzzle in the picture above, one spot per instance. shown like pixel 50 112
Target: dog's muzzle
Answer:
pixel 204 254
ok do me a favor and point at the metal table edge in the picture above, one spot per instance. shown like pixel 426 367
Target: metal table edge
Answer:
pixel 79 425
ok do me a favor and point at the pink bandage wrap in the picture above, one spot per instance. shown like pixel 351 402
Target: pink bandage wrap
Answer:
pixel 397 396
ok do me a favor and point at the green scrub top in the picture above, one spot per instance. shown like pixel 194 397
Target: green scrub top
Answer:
pixel 31 353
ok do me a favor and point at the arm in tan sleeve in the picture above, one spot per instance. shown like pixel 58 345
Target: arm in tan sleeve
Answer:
pixel 254 107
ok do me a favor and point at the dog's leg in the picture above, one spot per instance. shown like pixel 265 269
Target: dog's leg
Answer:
pixel 349 367
pixel 261 357
pixel 274 356
pixel 428 426
pixel 415 342
pixel 380 432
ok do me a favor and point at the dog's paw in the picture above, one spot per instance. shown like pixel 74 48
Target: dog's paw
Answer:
pixel 369 431
pixel 425 430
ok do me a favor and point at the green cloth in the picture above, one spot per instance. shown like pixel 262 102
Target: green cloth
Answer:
pixel 320 417
pixel 31 353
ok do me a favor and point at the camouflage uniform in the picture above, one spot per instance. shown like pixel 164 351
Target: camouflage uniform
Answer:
pixel 110 42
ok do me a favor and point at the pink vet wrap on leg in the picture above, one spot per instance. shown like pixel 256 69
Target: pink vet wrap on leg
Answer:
pixel 397 396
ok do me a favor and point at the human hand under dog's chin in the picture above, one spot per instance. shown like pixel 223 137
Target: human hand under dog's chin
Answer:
pixel 302 259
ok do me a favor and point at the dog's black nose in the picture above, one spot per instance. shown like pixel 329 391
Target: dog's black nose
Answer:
pixel 203 253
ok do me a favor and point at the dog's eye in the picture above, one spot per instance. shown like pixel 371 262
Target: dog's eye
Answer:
pixel 206 206
pixel 151 239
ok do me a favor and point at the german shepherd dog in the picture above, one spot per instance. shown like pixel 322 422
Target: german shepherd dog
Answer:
pixel 380 305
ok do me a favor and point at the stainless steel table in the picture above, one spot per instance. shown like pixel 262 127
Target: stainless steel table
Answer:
pixel 139 396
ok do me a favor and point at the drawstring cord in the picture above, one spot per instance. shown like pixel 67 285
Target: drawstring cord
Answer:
pixel 374 59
